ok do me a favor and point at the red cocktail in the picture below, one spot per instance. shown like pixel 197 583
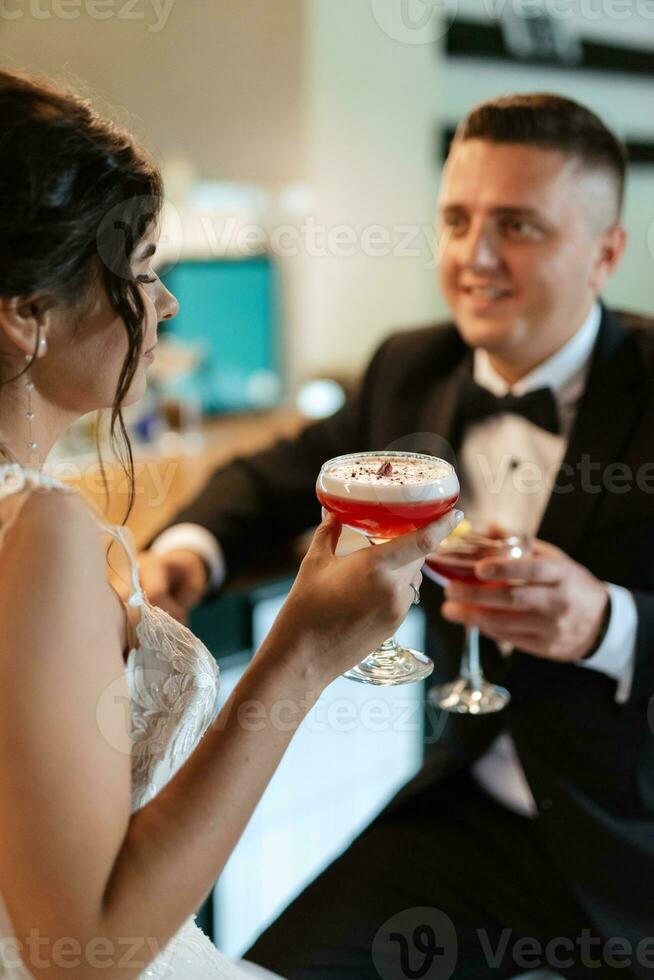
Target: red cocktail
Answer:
pixel 456 569
pixel 383 495
pixel 379 521
pixel 457 561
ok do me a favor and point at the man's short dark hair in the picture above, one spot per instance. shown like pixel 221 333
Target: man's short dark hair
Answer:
pixel 551 122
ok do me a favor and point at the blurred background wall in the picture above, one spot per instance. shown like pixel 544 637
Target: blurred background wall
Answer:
pixel 217 81
pixel 333 108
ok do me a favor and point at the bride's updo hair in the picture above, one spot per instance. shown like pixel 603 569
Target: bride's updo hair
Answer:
pixel 77 195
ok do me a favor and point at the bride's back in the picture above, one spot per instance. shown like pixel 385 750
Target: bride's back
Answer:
pixel 65 789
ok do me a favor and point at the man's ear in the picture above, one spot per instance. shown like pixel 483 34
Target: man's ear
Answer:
pixel 610 249
pixel 25 322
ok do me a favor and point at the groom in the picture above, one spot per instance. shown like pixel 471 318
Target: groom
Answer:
pixel 528 837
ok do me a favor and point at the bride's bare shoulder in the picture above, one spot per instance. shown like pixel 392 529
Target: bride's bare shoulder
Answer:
pixel 51 538
pixel 47 518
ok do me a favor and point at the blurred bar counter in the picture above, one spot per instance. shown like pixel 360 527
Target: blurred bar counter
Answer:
pixel 167 481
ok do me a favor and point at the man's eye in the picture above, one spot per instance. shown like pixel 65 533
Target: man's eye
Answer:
pixel 523 229
pixel 454 222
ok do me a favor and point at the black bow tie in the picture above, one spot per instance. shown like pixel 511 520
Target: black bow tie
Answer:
pixel 477 403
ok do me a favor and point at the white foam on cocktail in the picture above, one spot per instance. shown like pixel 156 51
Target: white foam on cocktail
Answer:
pixel 414 480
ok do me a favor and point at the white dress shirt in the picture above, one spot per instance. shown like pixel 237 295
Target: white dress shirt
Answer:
pixel 194 537
pixel 509 467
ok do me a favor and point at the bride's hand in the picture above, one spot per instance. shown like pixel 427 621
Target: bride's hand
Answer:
pixel 340 609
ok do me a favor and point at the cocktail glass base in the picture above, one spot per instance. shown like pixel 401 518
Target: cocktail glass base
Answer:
pixel 469 697
pixel 391 664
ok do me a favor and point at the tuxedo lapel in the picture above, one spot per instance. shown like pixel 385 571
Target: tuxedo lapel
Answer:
pixel 440 416
pixel 607 412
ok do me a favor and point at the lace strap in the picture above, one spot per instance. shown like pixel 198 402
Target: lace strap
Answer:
pixel 14 479
pixel 121 535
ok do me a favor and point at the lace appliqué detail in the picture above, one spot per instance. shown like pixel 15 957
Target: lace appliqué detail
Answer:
pixel 191 954
pixel 173 682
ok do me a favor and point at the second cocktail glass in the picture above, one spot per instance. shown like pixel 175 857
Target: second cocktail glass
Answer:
pixel 384 495
pixel 471 693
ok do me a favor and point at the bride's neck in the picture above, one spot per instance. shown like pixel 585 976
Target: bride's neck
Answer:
pixel 24 440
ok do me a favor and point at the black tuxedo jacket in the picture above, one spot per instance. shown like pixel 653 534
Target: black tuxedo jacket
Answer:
pixel 588 760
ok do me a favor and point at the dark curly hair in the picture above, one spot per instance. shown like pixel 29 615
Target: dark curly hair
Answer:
pixel 78 194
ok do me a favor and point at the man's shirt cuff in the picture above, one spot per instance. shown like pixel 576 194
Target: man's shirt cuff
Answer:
pixel 616 656
pixel 194 537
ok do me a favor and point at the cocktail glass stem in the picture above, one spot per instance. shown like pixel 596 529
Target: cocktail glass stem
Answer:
pixel 470 693
pixel 391 663
pixel 384 655
pixel 470 663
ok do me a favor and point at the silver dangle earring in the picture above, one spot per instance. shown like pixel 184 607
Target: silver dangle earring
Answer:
pixel 29 386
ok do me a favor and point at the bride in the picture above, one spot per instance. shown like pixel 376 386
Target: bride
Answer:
pixel 115 824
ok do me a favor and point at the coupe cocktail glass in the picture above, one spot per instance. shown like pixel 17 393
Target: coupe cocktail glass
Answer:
pixel 471 693
pixel 383 495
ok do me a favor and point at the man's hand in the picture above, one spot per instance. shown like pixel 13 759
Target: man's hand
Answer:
pixel 554 610
pixel 175 580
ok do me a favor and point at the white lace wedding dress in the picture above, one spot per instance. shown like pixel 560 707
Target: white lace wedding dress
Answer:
pixel 173 684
